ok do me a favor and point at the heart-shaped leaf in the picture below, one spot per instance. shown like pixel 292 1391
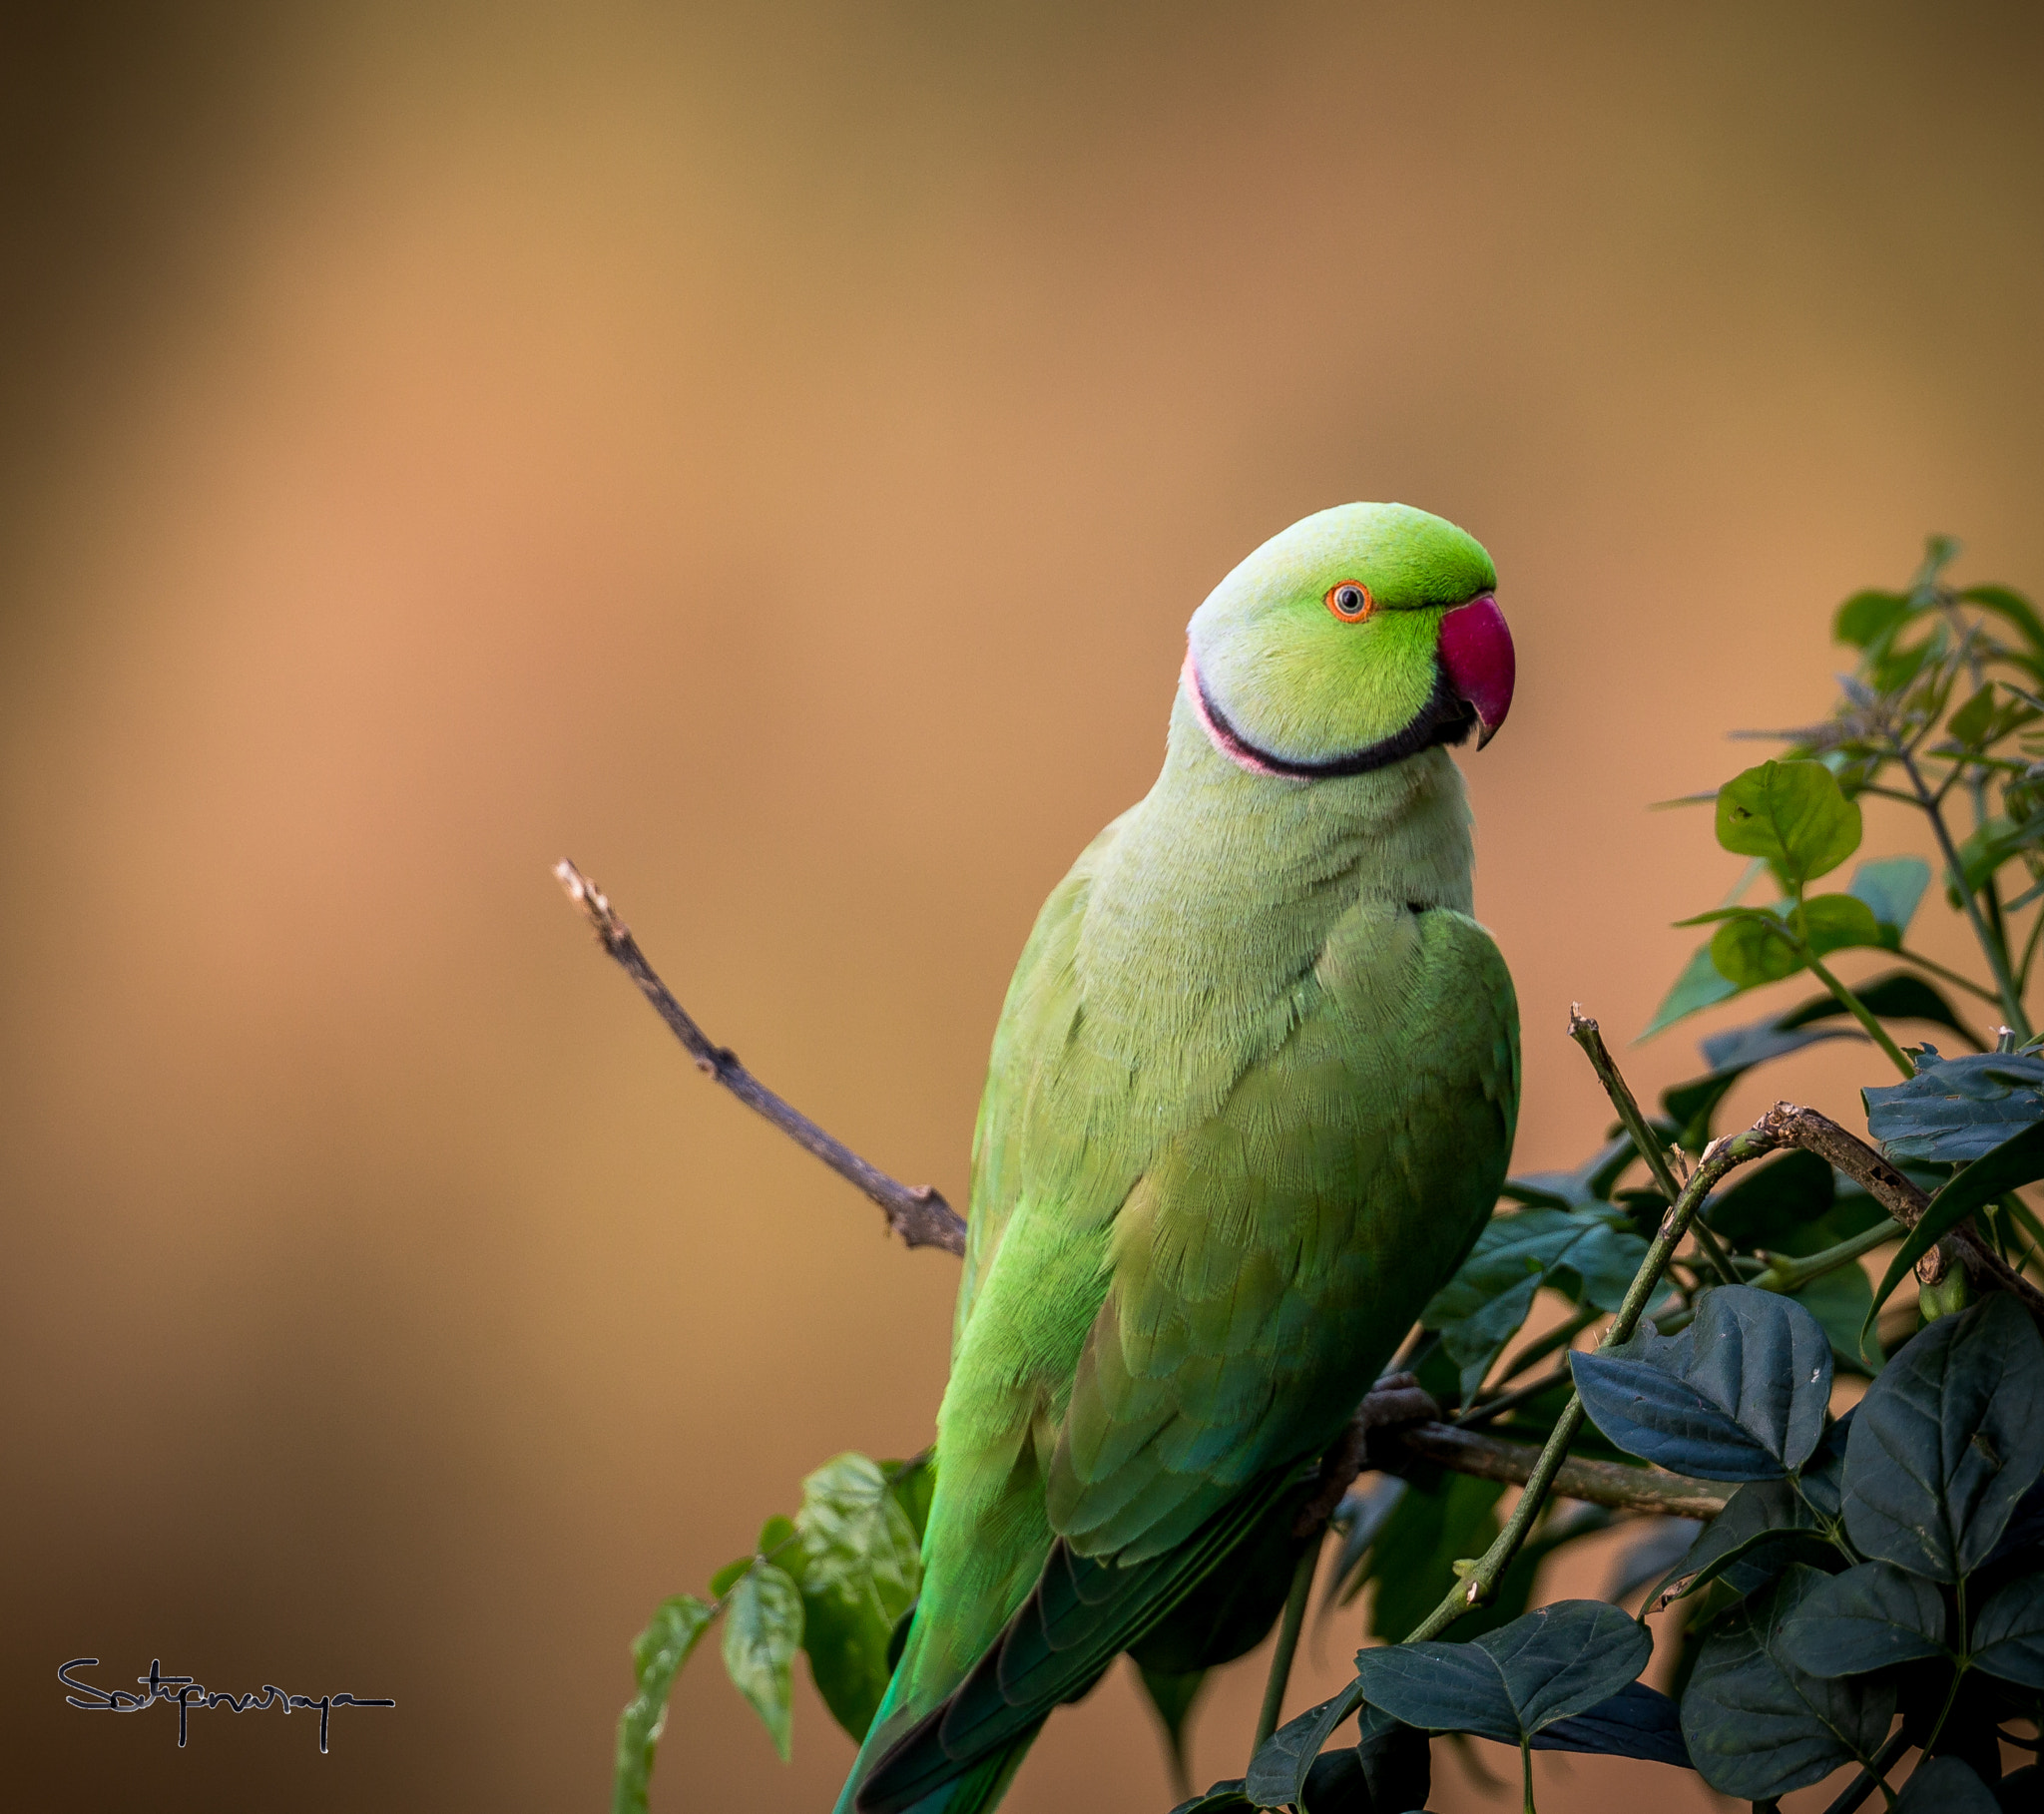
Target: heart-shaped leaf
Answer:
pixel 1946 1441
pixel 1756 1725
pixel 859 1566
pixel 1738 1395
pixel 1794 814
pixel 1510 1682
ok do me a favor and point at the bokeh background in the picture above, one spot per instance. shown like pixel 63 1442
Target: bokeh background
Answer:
pixel 769 453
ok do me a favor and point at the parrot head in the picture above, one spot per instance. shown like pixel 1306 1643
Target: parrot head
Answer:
pixel 1358 636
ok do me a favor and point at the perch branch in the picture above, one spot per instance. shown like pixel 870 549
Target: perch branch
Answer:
pixel 918 1213
pixel 1601 1483
pixel 1790 1125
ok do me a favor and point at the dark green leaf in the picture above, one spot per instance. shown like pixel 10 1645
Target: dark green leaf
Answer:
pixel 1413 1562
pixel 1837 922
pixel 1278 1772
pixel 1947 1785
pixel 1763 1528
pixel 2008 1636
pixel 1637 1722
pixel 1739 1394
pixel 1954 1111
pixel 658 1653
pixel 2019 1159
pixel 1700 986
pixel 1892 887
pixel 1512 1681
pixel 1756 1725
pixel 1865 1618
pixel 913 1483
pixel 1794 815
pixel 1172 1697
pixel 1731 1054
pixel 762 1629
pixel 859 1567
pixel 1946 1441
pixel 1769 1202
pixel 1753 950
pixel 1901 995
pixel 1221 1798
pixel 1842 1303
pixel 1357 1520
pixel 1397 1764
pixel 1591 1256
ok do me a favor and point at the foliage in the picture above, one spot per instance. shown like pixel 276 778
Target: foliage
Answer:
pixel 1886 1561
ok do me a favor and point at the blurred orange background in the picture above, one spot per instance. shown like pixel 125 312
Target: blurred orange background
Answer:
pixel 770 454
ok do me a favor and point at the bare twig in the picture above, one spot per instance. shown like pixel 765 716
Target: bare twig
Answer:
pixel 918 1213
pixel 1584 1032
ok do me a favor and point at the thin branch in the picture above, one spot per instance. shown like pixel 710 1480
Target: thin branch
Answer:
pixel 918 1213
pixel 1601 1483
pixel 1584 1032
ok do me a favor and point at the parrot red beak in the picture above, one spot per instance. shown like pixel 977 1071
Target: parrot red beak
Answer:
pixel 1476 655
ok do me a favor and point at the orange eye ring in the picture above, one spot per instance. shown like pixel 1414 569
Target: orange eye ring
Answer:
pixel 1350 601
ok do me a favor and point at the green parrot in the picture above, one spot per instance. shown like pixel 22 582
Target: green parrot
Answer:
pixel 1251 1100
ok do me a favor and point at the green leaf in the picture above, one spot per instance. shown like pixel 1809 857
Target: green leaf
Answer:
pixel 2012 608
pixel 1794 814
pixel 1731 1054
pixel 1892 888
pixel 1397 1766
pixel 1756 1725
pixel 1413 1562
pixel 1637 1722
pixel 2008 1636
pixel 1837 922
pixel 859 1568
pixel 1866 616
pixel 1278 1772
pixel 913 1484
pixel 1510 1682
pixel 1221 1798
pixel 1701 985
pixel 1591 1256
pixel 658 1653
pixel 1739 1394
pixel 1754 949
pixel 762 1629
pixel 1763 1528
pixel 1865 1618
pixel 1773 1199
pixel 1947 1785
pixel 1843 1301
pixel 1955 1111
pixel 2018 1160
pixel 1946 1441
pixel 1170 1697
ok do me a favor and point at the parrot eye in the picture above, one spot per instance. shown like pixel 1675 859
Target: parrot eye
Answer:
pixel 1350 601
